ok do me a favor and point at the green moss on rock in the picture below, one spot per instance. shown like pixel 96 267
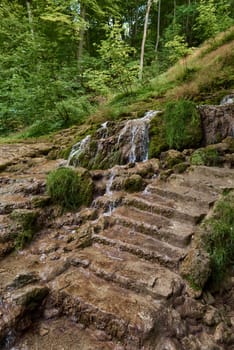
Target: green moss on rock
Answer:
pixel 26 226
pixel 134 183
pixel 205 156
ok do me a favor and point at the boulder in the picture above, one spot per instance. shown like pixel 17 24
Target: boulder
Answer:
pixel 217 122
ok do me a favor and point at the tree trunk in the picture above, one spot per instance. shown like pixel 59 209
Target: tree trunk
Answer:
pixel 144 39
pixel 30 17
pixel 82 32
pixel 158 26
pixel 174 20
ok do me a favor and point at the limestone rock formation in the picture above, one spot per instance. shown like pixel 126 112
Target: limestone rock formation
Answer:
pixel 217 122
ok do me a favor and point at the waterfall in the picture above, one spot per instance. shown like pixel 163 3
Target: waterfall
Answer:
pixel 114 143
pixel 138 130
pixel 109 183
pixel 77 149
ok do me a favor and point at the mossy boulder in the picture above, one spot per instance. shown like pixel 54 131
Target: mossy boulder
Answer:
pixel 70 188
pixel 25 226
pixel 196 267
pixel 157 136
pixel 134 183
pixel 171 158
pixel 205 156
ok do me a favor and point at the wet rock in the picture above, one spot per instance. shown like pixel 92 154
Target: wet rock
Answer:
pixel 170 158
pixel 217 122
pixel 43 331
pixel 224 334
pixel 134 183
pixel 227 99
pixel 196 267
pixel 168 344
pixel 50 272
pixel 212 316
pixel 114 143
pixel 191 309
pixel 22 280
pixel 30 296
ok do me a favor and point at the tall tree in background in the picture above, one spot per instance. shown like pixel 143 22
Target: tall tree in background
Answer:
pixel 148 7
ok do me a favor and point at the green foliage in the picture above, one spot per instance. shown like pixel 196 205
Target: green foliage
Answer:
pixel 182 124
pixel 69 188
pixel 119 72
pixel 219 240
pixel 213 17
pixel 133 183
pixel 157 136
pixel 177 48
pixel 205 156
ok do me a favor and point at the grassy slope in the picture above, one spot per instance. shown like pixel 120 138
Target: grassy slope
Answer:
pixel 204 77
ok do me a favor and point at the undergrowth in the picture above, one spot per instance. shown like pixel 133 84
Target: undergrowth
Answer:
pixel 182 124
pixel 69 188
pixel 219 239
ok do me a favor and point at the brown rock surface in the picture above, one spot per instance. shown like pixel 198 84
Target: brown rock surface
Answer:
pixel 108 277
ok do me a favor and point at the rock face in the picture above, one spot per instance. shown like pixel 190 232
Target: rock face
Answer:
pixel 217 122
pixel 114 143
pixel 109 279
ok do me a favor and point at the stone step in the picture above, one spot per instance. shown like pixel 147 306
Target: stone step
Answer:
pixel 121 313
pixel 63 334
pixel 143 246
pixel 130 271
pixel 150 203
pixel 14 201
pixel 214 172
pixel 171 231
pixel 182 193
pixel 201 185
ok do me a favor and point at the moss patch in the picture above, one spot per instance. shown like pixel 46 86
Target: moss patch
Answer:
pixel 26 226
pixel 205 156
pixel 133 183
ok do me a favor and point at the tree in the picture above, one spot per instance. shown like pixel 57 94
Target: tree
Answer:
pixel 149 3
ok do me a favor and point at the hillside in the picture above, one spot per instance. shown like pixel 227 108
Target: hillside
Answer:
pixel 117 232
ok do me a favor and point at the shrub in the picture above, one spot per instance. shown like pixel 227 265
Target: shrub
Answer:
pixel 69 188
pixel 219 238
pixel 182 124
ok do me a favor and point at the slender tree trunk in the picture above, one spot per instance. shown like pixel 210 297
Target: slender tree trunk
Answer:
pixel 82 32
pixel 187 21
pixel 158 26
pixel 174 20
pixel 144 39
pixel 30 17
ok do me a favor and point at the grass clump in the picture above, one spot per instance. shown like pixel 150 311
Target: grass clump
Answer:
pixel 69 188
pixel 219 240
pixel 182 124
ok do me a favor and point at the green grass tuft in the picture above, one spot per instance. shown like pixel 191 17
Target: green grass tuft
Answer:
pixel 69 188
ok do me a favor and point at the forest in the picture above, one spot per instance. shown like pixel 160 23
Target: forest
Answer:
pixel 60 60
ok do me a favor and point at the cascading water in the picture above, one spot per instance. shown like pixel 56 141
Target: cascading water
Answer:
pixel 76 151
pixel 114 143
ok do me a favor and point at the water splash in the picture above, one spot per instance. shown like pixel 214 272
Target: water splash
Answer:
pixel 128 140
pixel 77 149
pixel 109 183
pixel 138 129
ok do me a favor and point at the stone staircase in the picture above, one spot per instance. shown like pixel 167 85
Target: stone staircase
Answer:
pixel 115 277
